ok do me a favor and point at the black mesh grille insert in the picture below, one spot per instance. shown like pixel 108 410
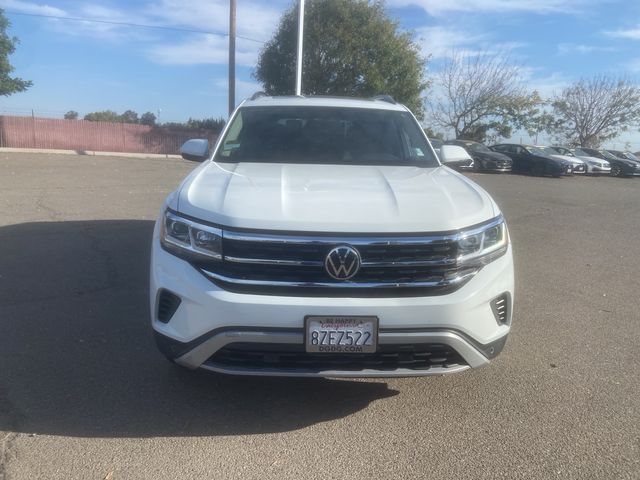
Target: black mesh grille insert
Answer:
pixel 500 306
pixel 252 356
pixel 168 303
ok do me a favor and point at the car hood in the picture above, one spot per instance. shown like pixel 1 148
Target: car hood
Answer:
pixel 567 158
pixel 334 198
pixel 552 159
pixel 491 156
pixel 595 160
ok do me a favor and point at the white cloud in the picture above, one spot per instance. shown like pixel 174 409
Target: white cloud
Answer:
pixel 441 7
pixel 203 49
pixel 629 33
pixel 571 48
pixel 31 7
pixel 547 86
pixel 254 19
pixel 441 42
pixel 633 65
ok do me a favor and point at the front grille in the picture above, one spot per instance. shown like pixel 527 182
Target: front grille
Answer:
pixel 295 265
pixel 251 356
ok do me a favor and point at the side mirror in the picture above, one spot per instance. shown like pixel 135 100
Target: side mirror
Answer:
pixel 454 155
pixel 196 149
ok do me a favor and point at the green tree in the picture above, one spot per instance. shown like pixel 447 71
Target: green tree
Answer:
pixel 8 84
pixel 433 134
pixel 592 111
pixel 104 116
pixel 71 115
pixel 148 118
pixel 129 117
pixel 215 124
pixel 483 97
pixel 351 48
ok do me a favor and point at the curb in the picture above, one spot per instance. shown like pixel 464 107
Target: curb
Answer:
pixel 87 152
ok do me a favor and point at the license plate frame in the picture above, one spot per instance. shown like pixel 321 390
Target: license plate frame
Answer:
pixel 338 323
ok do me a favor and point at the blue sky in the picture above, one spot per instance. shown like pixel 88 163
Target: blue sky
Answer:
pixel 87 66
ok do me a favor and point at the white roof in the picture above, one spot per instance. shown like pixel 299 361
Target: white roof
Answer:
pixel 292 101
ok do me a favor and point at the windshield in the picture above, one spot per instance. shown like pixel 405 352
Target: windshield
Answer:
pixel 477 147
pixel 330 135
pixel 609 156
pixel 563 151
pixel 548 151
pixel 536 151
pixel 588 152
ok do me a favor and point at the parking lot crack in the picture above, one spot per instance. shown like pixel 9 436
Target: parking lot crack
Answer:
pixel 52 212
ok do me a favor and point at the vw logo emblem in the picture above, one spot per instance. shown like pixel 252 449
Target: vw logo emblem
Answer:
pixel 342 263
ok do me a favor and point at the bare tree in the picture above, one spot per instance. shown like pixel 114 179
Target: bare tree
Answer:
pixel 482 96
pixel 594 110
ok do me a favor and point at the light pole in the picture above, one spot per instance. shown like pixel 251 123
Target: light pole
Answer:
pixel 299 58
pixel 232 56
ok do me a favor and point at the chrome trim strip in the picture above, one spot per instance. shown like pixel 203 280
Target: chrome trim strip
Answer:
pixel 196 357
pixel 312 263
pixel 346 284
pixel 355 241
pixel 412 263
pixel 267 261
pixel 398 373
pixel 373 240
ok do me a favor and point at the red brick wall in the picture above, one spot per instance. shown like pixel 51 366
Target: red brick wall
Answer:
pixel 29 132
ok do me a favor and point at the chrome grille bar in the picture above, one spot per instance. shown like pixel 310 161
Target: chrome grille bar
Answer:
pixel 341 285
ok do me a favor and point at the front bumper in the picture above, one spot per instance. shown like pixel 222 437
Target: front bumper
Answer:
pixel 210 318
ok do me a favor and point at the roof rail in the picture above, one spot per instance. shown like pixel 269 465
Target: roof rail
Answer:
pixel 257 95
pixel 384 98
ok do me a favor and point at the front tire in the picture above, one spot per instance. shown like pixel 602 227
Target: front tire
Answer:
pixel 616 171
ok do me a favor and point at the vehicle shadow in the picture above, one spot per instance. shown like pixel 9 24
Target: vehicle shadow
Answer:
pixel 77 356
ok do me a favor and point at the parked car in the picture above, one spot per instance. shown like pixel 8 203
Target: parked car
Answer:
pixel 624 155
pixel 484 159
pixel 619 167
pixel 530 159
pixel 322 237
pixel 593 165
pixel 577 165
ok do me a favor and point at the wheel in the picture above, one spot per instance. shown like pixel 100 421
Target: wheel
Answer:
pixel 477 167
pixel 538 170
pixel 616 171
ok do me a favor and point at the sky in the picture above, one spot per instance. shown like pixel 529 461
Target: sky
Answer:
pixel 180 71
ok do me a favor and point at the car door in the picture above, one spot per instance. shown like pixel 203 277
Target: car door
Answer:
pixel 519 157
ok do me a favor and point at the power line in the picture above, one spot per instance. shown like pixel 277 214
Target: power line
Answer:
pixel 127 24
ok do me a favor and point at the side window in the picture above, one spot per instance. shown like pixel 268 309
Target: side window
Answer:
pixel 500 148
pixel 518 150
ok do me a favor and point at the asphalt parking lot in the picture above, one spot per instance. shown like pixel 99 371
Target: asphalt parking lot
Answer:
pixel 85 395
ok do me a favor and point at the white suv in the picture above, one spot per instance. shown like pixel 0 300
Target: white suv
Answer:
pixel 322 237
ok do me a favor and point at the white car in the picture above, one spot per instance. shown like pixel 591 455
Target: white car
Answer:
pixel 577 165
pixel 593 165
pixel 322 237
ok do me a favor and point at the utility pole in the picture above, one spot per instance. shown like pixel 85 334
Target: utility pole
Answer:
pixel 232 56
pixel 300 37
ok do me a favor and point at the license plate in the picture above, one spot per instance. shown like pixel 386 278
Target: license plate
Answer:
pixel 341 334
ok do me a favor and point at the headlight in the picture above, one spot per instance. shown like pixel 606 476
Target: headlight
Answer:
pixel 483 244
pixel 186 238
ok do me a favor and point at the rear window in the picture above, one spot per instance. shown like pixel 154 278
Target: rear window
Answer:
pixel 355 136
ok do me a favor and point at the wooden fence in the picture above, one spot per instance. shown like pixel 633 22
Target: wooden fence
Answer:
pixel 83 135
